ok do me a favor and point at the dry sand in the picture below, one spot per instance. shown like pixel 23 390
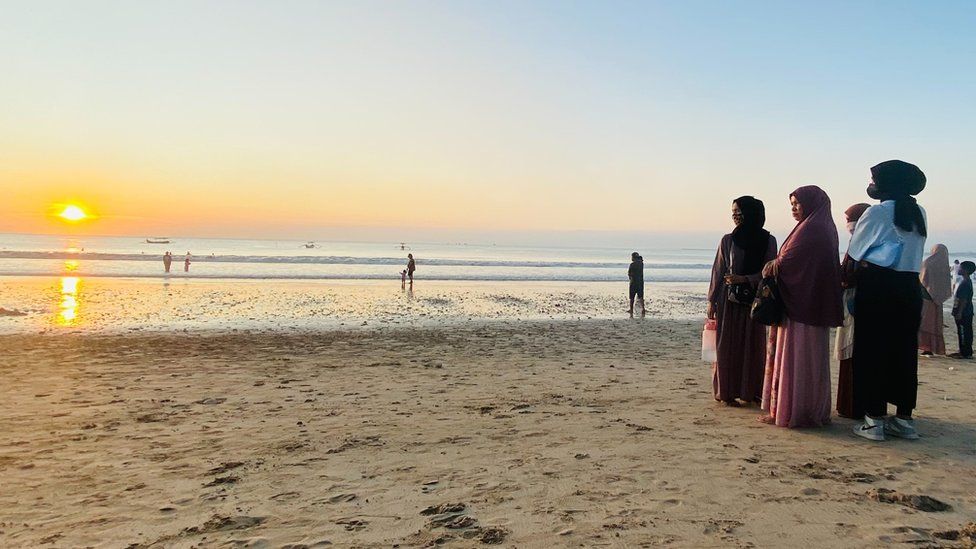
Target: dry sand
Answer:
pixel 537 434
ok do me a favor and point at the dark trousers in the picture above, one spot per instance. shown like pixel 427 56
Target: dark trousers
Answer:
pixel 887 315
pixel 964 327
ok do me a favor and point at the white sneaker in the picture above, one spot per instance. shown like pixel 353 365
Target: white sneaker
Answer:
pixel 901 428
pixel 871 429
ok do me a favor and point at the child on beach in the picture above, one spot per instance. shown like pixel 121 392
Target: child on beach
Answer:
pixel 962 310
pixel 403 278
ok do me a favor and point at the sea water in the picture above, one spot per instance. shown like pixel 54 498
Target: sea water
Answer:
pixel 103 256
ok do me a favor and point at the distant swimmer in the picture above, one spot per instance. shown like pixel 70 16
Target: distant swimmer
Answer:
pixel 167 260
pixel 186 263
pixel 411 267
pixel 636 275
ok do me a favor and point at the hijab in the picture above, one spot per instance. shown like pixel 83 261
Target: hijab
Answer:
pixel 809 270
pixel 853 214
pixel 900 181
pixel 856 211
pixel 936 275
pixel 750 235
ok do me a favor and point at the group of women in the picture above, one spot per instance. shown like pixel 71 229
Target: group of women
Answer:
pixel 786 369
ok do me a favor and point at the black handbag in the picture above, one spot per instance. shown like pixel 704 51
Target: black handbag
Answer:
pixel 743 294
pixel 768 306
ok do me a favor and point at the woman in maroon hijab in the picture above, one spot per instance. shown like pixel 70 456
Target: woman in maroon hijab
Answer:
pixel 796 389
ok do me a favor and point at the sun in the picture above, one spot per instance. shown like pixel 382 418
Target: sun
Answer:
pixel 72 213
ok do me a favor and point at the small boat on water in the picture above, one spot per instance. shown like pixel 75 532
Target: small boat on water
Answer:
pixel 309 244
pixel 157 240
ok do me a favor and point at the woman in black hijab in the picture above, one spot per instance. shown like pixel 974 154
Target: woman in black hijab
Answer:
pixel 888 245
pixel 741 343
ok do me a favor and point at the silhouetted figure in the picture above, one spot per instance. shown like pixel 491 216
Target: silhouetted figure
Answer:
pixel 186 263
pixel 636 275
pixel 411 267
pixel 167 261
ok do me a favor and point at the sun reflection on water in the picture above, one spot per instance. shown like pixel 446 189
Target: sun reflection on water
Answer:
pixel 68 315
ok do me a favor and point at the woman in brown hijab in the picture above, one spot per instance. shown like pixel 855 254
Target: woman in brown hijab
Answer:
pixel 844 346
pixel 936 278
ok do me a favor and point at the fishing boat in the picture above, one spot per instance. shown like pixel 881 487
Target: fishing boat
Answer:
pixel 157 240
pixel 309 244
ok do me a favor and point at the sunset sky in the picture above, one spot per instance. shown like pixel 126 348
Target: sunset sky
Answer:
pixel 352 118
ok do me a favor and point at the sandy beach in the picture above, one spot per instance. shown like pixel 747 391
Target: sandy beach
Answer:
pixel 523 434
pixel 347 274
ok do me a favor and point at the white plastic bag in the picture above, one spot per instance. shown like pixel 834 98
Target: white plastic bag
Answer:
pixel 709 342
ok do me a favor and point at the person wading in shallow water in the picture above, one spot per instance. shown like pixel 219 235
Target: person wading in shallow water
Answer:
pixel 636 275
pixel 167 261
pixel 411 267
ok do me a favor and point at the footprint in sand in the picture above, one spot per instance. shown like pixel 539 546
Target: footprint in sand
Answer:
pixel 920 502
pixel 229 479
pixel 224 467
pixel 341 498
pixel 352 525
pixel 219 523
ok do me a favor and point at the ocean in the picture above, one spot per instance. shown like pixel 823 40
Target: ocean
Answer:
pixel 134 257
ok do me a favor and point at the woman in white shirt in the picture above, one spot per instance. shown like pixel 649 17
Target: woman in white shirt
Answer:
pixel 888 245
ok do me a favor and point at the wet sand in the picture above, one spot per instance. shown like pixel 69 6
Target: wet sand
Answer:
pixel 120 305
pixel 525 434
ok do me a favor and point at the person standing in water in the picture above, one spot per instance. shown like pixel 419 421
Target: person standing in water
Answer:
pixel 636 275
pixel 167 261
pixel 186 263
pixel 411 267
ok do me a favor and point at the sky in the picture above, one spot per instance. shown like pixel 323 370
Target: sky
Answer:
pixel 389 119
